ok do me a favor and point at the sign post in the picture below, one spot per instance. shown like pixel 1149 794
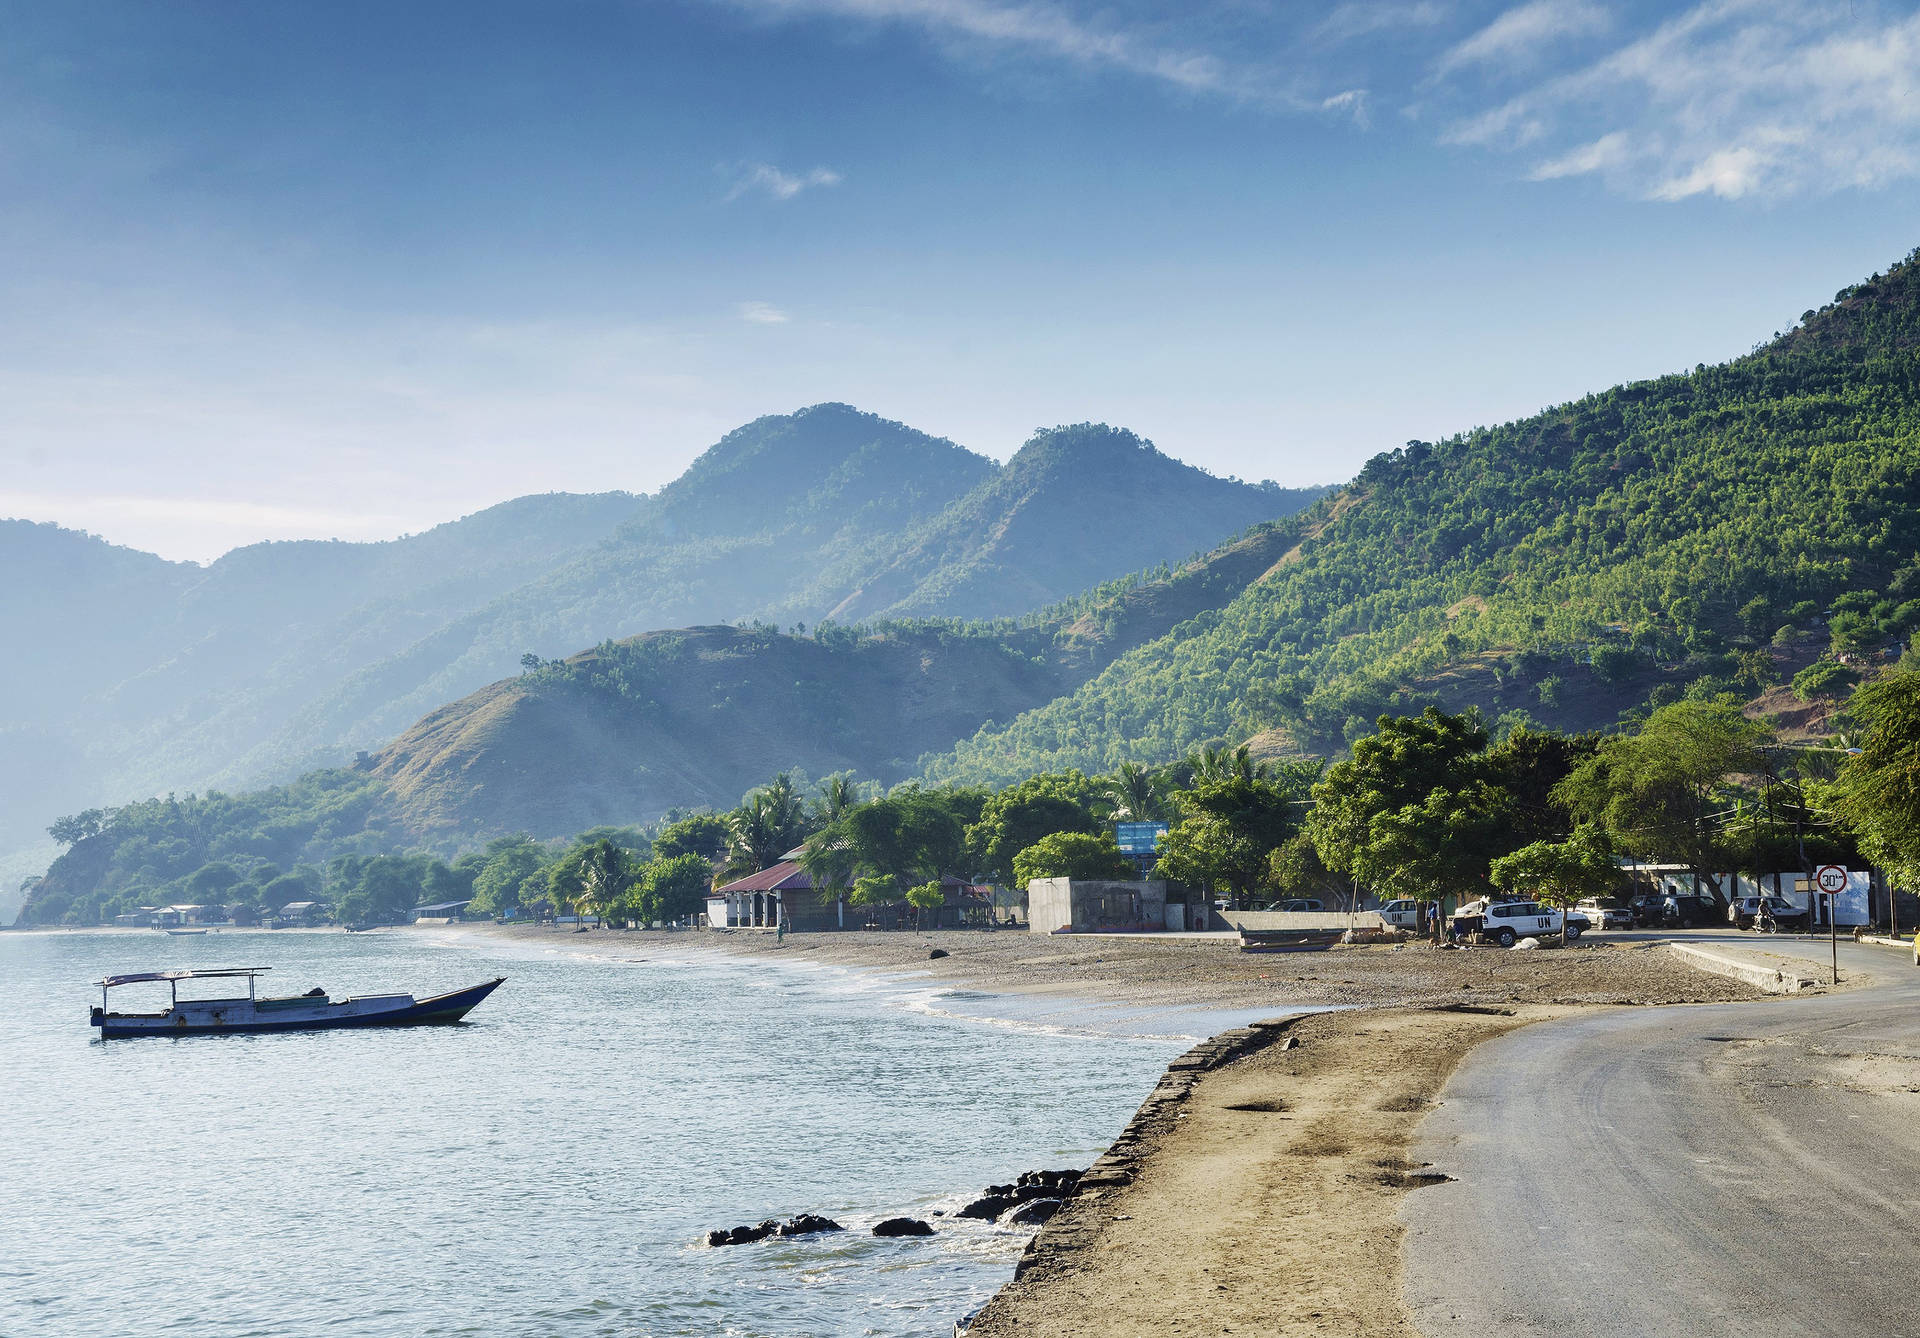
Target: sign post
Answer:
pixel 1832 880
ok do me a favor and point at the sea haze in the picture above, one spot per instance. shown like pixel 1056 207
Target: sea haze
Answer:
pixel 546 1169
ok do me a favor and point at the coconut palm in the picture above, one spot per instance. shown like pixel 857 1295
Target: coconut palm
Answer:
pixel 771 822
pixel 1135 794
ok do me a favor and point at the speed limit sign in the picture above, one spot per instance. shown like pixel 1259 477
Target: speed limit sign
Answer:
pixel 1830 878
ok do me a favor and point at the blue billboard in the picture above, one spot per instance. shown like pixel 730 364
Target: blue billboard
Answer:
pixel 1139 838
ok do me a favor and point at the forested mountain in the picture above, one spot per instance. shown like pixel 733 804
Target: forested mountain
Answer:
pixel 1707 533
pixel 148 675
pixel 1074 507
pixel 1703 532
pixel 631 729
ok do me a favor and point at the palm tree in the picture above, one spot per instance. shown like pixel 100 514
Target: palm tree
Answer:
pixel 1214 764
pixel 771 822
pixel 1134 793
pixel 605 876
pixel 838 793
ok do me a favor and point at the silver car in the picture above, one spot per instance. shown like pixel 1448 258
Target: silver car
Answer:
pixel 1606 912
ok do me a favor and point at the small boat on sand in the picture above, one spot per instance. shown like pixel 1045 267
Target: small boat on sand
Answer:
pixel 312 1011
pixel 183 933
pixel 1289 940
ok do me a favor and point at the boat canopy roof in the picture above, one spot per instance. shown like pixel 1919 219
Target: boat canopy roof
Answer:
pixel 141 977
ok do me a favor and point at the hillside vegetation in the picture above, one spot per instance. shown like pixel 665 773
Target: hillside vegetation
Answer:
pixel 1708 531
pixel 150 675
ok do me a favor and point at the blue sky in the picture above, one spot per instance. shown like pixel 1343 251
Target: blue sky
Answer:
pixel 277 270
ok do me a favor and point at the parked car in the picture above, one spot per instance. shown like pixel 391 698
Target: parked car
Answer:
pixel 1743 911
pixel 1296 904
pixel 1607 912
pixel 1659 910
pixel 1507 922
pixel 1402 914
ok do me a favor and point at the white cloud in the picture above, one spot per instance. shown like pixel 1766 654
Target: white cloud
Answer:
pixel 1739 99
pixel 1051 30
pixel 1520 35
pixel 770 180
pixel 1363 18
pixel 762 313
pixel 1353 102
pixel 1608 151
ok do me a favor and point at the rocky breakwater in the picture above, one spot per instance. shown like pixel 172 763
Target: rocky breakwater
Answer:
pixel 1027 1201
pixel 1030 1200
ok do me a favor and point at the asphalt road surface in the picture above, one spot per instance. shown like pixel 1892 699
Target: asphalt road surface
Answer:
pixel 1728 1169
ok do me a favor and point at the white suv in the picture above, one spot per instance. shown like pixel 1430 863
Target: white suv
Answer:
pixel 1506 922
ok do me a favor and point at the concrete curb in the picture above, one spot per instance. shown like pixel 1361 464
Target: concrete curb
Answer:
pixel 1905 944
pixel 1767 979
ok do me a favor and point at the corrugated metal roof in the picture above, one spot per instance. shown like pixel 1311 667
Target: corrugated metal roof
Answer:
pixel 786 876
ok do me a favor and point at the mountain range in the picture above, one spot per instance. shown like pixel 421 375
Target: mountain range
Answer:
pixel 149 676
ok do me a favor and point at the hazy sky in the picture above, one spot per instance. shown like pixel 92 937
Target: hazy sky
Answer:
pixel 277 269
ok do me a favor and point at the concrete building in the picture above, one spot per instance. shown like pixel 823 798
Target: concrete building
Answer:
pixel 1072 905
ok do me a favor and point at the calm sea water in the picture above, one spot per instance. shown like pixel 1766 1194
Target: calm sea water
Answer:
pixel 546 1169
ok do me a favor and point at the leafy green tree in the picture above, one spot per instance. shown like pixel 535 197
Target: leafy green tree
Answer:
pixel 926 897
pixel 1020 815
pixel 906 837
pixel 702 834
pixel 1071 855
pixel 1415 812
pixel 1295 869
pixel 1823 678
pixel 1877 794
pixel 513 876
pixel 1560 873
pixel 1227 833
pixel 1661 793
pixel 674 888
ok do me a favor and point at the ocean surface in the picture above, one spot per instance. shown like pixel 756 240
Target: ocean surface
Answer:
pixel 548 1168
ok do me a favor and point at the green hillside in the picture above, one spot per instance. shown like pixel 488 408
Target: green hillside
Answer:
pixel 632 729
pixel 151 676
pixel 1073 507
pixel 1710 530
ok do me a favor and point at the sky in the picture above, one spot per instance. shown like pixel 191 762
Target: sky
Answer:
pixel 282 270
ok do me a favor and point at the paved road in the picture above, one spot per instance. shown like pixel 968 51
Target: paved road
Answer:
pixel 1746 1169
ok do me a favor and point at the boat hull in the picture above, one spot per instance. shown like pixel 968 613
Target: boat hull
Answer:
pixel 214 1017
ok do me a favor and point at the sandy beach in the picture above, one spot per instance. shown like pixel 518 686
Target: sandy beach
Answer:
pixel 1205 972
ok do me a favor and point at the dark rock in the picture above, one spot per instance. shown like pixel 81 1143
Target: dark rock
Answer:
pixel 936 954
pixel 807 1224
pixel 902 1226
pixel 988 1206
pixel 742 1235
pixel 1031 1213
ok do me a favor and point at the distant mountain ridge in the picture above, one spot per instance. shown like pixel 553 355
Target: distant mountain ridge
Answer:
pixel 151 676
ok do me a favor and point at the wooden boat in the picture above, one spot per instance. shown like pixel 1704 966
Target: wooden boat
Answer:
pixel 1289 940
pixel 312 1011
pixel 183 933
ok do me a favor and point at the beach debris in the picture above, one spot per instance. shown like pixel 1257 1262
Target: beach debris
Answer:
pixel 1031 1213
pixel 902 1226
